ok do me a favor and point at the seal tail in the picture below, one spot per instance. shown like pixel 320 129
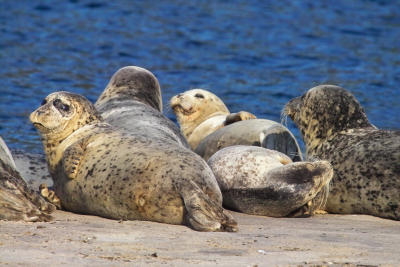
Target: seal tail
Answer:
pixel 203 214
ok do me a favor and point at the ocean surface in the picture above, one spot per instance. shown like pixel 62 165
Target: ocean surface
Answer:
pixel 255 55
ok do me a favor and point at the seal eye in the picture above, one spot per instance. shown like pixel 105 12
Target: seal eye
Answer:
pixel 60 106
pixel 199 95
pixel 43 102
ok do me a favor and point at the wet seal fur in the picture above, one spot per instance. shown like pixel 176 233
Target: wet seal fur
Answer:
pixel 366 160
pixel 100 170
pixel 17 200
pixel 260 181
pixel 200 113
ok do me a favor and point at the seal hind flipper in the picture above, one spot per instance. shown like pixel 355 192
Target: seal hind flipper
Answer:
pixel 240 116
pixel 203 214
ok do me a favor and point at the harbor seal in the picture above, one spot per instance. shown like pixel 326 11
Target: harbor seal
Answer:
pixel 200 113
pixel 366 160
pixel 17 200
pixel 132 102
pixel 100 170
pixel 260 181
pixel 257 132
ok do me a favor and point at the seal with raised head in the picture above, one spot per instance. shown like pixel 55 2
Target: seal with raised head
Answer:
pixel 366 160
pixel 200 113
pixel 132 102
pixel 100 170
pixel 260 181
pixel 17 200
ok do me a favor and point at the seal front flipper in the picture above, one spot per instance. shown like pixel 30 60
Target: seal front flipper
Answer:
pixel 72 157
pixel 203 214
pixel 50 196
pixel 240 116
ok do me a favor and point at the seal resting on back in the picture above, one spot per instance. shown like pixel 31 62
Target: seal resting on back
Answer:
pixel 103 171
pixel 260 181
pixel 366 160
pixel 17 200
pixel 200 113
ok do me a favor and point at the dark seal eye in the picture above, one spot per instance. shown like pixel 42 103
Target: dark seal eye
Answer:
pixel 43 102
pixel 60 105
pixel 199 95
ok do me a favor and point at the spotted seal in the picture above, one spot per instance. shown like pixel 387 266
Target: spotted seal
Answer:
pixel 17 200
pixel 200 113
pixel 260 181
pixel 101 170
pixel 366 160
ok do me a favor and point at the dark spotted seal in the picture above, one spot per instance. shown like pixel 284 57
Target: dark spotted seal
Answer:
pixel 200 113
pixel 366 160
pixel 17 200
pixel 260 181
pixel 100 170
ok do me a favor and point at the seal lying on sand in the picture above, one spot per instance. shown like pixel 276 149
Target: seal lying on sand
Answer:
pixel 132 101
pixel 366 160
pixel 201 113
pixel 259 181
pixel 17 200
pixel 103 171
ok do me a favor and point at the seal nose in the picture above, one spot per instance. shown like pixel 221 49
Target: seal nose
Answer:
pixel 179 96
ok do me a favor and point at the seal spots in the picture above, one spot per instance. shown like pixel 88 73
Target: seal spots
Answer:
pixel 366 160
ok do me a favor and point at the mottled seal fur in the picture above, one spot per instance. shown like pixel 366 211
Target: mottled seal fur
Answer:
pixel 100 170
pixel 132 102
pixel 257 132
pixel 366 160
pixel 260 181
pixel 200 113
pixel 17 200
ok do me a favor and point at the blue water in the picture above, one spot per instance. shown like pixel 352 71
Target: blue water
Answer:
pixel 255 55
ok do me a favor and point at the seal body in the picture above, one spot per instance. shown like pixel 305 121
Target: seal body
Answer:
pixel 257 132
pixel 17 200
pixel 101 170
pixel 132 102
pixel 366 160
pixel 260 181
pixel 200 113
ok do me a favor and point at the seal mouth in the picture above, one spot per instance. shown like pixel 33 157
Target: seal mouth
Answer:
pixel 179 109
pixel 39 126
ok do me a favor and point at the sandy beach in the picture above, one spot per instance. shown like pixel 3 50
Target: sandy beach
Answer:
pixel 82 240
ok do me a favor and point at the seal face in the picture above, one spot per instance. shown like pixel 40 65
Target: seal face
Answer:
pixel 100 170
pixel 17 200
pixel 366 160
pixel 200 113
pixel 260 181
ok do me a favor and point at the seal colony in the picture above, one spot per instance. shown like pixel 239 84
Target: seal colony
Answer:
pixel 260 181
pixel 366 160
pixel 100 170
pixel 17 200
pixel 200 113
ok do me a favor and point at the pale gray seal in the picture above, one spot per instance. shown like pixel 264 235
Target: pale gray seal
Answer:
pixel 132 101
pixel 101 170
pixel 258 132
pixel 260 181
pixel 17 200
pixel 366 160
pixel 200 113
